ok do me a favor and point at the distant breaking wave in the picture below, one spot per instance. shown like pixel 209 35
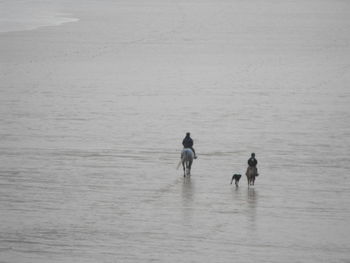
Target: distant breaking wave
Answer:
pixel 32 23
pixel 30 15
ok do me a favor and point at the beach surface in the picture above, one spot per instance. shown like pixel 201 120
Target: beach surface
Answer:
pixel 96 97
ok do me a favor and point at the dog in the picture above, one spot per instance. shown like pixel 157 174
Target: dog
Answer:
pixel 236 177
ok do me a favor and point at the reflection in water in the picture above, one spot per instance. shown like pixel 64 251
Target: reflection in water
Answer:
pixel 187 198
pixel 187 191
pixel 252 198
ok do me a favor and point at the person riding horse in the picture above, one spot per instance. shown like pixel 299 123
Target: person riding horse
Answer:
pixel 188 143
pixel 252 163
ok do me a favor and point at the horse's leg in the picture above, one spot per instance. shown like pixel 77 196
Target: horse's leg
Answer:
pixel 189 166
pixel 183 165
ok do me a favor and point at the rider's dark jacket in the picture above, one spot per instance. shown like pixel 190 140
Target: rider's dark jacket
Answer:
pixel 187 142
pixel 252 162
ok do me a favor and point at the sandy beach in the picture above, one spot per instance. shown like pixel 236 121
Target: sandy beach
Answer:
pixel 97 96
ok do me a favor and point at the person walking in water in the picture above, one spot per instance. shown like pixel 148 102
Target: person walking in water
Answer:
pixel 188 143
pixel 252 163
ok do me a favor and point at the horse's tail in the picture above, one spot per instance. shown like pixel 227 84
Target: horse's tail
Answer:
pixel 178 165
pixel 182 159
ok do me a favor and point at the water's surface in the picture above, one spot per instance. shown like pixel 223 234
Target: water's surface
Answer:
pixel 92 116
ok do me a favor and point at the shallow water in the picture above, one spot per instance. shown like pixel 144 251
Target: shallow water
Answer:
pixel 93 114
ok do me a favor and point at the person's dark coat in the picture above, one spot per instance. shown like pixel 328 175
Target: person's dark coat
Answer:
pixel 187 142
pixel 252 162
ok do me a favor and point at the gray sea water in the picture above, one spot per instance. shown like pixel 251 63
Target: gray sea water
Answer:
pixel 93 113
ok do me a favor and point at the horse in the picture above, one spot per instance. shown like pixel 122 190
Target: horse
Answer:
pixel 251 174
pixel 187 156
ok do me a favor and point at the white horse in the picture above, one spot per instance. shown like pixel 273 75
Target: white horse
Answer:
pixel 187 157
